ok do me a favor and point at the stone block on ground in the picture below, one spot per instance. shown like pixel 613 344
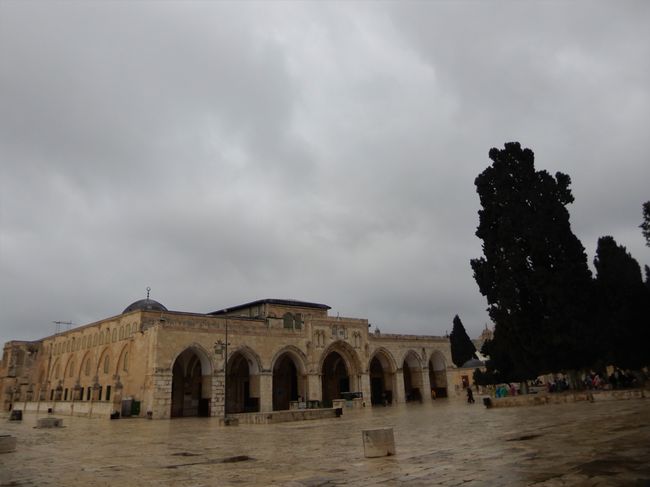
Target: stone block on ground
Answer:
pixel 49 423
pixel 7 443
pixel 378 442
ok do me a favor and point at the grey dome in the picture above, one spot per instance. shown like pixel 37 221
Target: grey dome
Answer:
pixel 144 305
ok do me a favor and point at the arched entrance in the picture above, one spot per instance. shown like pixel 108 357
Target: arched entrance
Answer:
pixel 190 385
pixel 382 377
pixel 285 383
pixel 336 378
pixel 438 375
pixel 412 372
pixel 242 387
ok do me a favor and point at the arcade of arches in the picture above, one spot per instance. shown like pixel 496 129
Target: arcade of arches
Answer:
pixel 339 374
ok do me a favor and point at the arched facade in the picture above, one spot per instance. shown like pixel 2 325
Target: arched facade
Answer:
pixel 241 360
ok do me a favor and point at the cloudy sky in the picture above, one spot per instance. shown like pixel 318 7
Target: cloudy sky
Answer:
pixel 324 151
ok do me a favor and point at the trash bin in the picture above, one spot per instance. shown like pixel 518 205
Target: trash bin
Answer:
pixel 487 402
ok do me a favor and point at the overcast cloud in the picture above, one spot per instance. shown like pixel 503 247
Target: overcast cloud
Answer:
pixel 226 152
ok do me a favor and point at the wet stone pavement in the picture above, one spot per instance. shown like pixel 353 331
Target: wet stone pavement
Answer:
pixel 446 442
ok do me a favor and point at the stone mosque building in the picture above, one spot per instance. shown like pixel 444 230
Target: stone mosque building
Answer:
pixel 264 356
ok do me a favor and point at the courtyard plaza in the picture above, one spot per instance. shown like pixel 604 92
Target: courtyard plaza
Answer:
pixel 444 442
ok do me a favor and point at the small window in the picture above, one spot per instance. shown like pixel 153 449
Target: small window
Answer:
pixel 65 394
pixel 121 332
pixel 288 320
pixel 108 393
pixel 51 394
pixel 99 396
pixel 95 340
pixel 114 335
pixel 88 393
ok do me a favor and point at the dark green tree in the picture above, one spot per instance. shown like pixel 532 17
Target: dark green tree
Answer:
pixel 645 225
pixel 534 271
pixel 462 348
pixel 622 301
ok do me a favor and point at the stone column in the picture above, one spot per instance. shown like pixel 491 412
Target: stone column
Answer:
pixel 217 404
pixel 399 395
pixel 425 390
pixel 314 388
pixel 162 393
pixel 266 391
pixel 365 387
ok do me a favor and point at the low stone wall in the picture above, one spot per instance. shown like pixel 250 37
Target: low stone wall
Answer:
pixel 69 408
pixel 284 416
pixel 565 397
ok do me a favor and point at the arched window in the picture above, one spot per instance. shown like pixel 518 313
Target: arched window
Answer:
pixel 106 364
pixel 95 340
pixel 83 342
pixel 121 332
pixel 114 335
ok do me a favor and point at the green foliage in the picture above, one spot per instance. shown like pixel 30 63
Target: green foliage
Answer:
pixel 622 306
pixel 534 271
pixel 462 348
pixel 645 225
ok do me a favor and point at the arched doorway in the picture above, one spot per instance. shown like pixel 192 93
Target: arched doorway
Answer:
pixel 285 383
pixel 412 372
pixel 438 375
pixel 190 387
pixel 382 378
pixel 336 378
pixel 241 387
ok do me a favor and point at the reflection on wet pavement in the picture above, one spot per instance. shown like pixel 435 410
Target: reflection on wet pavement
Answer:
pixel 438 443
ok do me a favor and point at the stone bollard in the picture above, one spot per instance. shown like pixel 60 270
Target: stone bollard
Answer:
pixel 378 442
pixel 49 423
pixel 7 443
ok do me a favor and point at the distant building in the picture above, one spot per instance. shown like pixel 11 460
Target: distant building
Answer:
pixel 278 354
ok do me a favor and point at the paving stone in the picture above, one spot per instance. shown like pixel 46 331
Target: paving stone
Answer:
pixel 441 443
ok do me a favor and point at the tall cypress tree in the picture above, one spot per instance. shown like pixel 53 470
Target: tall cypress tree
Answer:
pixel 462 348
pixel 534 271
pixel 622 306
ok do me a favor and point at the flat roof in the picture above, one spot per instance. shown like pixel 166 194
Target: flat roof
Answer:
pixel 281 302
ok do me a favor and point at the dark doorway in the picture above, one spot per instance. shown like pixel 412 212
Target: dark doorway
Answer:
pixel 285 383
pixel 336 378
pixel 377 383
pixel 186 385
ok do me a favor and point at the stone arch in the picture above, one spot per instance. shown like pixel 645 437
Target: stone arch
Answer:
pixel 243 381
pixel 191 381
pixel 437 374
pixel 99 366
pixel 340 371
pixel 204 356
pixel 381 372
pixel 412 374
pixel 254 361
pixel 289 377
pixel 122 362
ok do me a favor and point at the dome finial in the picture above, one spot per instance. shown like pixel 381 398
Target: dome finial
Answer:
pixel 148 289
